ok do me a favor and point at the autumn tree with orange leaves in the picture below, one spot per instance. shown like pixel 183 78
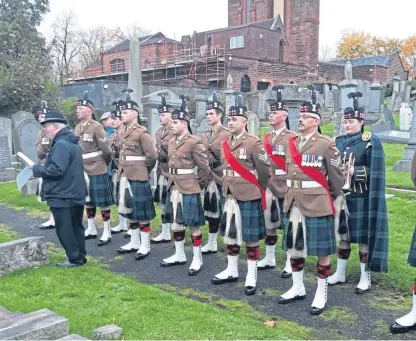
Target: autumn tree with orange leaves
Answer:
pixel 355 44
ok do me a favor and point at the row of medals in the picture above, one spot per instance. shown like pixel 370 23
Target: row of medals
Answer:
pixel 312 160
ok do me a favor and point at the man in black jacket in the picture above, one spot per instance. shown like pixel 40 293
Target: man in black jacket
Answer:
pixel 64 187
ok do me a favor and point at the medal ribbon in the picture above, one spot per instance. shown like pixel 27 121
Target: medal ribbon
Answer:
pixel 278 160
pixel 313 173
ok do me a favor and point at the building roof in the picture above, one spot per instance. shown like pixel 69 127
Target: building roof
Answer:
pixel 157 38
pixel 365 61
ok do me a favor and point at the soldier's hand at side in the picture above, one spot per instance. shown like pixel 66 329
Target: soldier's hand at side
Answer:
pixel 351 170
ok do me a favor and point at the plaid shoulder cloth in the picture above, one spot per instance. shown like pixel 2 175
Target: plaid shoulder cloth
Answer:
pixel 377 259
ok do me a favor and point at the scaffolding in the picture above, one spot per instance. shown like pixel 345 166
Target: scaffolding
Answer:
pixel 205 65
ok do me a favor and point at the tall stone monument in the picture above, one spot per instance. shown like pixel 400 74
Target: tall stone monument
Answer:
pixel 135 75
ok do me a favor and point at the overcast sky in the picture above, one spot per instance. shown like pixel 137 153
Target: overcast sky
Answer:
pixel 384 18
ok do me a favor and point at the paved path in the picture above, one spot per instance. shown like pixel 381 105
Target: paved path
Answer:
pixel 360 322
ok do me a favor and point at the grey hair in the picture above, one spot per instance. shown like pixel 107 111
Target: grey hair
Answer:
pixel 60 125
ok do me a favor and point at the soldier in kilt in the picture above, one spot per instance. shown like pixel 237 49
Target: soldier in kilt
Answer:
pixel 183 202
pixel 275 143
pixel 115 138
pixel 137 158
pixel 408 321
pixel 213 200
pixel 163 136
pixel 366 217
pixel 43 146
pixel 96 154
pixel 315 178
pixel 246 170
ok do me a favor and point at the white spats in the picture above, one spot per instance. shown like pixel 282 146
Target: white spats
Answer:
pixel 106 231
pixel 409 320
pixel 134 244
pixel 321 297
pixel 196 264
pixel 268 262
pixel 365 280
pixel 211 246
pixel 251 278
pixel 145 243
pixel 122 226
pixel 339 276
pixel 178 258
pixel 287 271
pixel 164 236
pixel 49 223
pixel 91 230
pixel 230 274
pixel 297 291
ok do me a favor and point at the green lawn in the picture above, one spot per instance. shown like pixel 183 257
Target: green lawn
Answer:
pixel 91 297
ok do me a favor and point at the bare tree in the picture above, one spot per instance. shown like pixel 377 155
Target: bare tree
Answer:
pixel 65 45
pixel 94 42
pixel 326 53
pixel 135 30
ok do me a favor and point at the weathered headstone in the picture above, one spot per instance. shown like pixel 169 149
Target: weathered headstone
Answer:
pixel 230 82
pixel 405 117
pixel 294 97
pixel 200 123
pixel 374 98
pixel 7 172
pixel 253 124
pixel 388 116
pixel 407 91
pixel 25 131
pixel 337 99
pixel 347 86
pixel 229 100
pixel 406 164
pixel 6 130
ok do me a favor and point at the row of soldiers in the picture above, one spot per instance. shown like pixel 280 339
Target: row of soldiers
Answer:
pixel 317 190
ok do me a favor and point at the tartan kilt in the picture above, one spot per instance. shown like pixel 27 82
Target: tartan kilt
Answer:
pixel 192 210
pixel 101 192
pixel 358 219
pixel 142 201
pixel 320 236
pixel 411 260
pixel 252 220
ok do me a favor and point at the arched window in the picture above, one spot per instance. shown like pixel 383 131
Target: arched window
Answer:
pixel 281 50
pixel 245 84
pixel 118 65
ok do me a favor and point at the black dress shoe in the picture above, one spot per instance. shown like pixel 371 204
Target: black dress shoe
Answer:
pixel 122 251
pixel 49 227
pixel 141 256
pixel 193 272
pixel 104 242
pixel 250 290
pixel 163 241
pixel 286 274
pixel 398 328
pixel 163 264
pixel 361 291
pixel 218 281
pixel 266 267
pixel 91 236
pixel 282 300
pixel 68 265
pixel 208 252
pixel 316 311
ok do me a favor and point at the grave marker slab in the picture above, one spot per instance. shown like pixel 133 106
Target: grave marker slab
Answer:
pixel 7 172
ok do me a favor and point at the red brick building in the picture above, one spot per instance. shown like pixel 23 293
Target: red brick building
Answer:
pixel 266 42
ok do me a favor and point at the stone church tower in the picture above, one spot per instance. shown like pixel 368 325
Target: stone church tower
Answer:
pixel 301 20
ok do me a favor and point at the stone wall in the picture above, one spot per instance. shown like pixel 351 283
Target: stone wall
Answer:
pixel 396 69
pixel 260 10
pixel 333 73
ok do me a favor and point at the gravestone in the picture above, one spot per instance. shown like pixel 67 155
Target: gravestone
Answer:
pixel 326 96
pixel 253 124
pixel 407 91
pixel 347 86
pixel 337 100
pixel 374 98
pixel 388 116
pixel 200 123
pixel 6 130
pixel 25 131
pixel 229 100
pixel 406 164
pixel 135 75
pixel 294 97
pixel 7 172
pixel 405 117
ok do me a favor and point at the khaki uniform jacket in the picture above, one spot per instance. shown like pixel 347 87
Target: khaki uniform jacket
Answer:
pixel 137 142
pixel 43 145
pixel 249 151
pixel 314 202
pixel 115 138
pixel 188 154
pixel 92 138
pixel 163 136
pixel 277 183
pixel 213 145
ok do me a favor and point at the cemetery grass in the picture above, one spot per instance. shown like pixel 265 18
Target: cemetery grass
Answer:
pixel 90 297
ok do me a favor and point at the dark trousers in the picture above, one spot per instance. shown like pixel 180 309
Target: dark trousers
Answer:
pixel 70 230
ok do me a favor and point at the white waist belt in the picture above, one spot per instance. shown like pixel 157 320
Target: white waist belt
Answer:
pixel 302 184
pixel 90 155
pixel 234 174
pixel 279 172
pixel 177 171
pixel 134 158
